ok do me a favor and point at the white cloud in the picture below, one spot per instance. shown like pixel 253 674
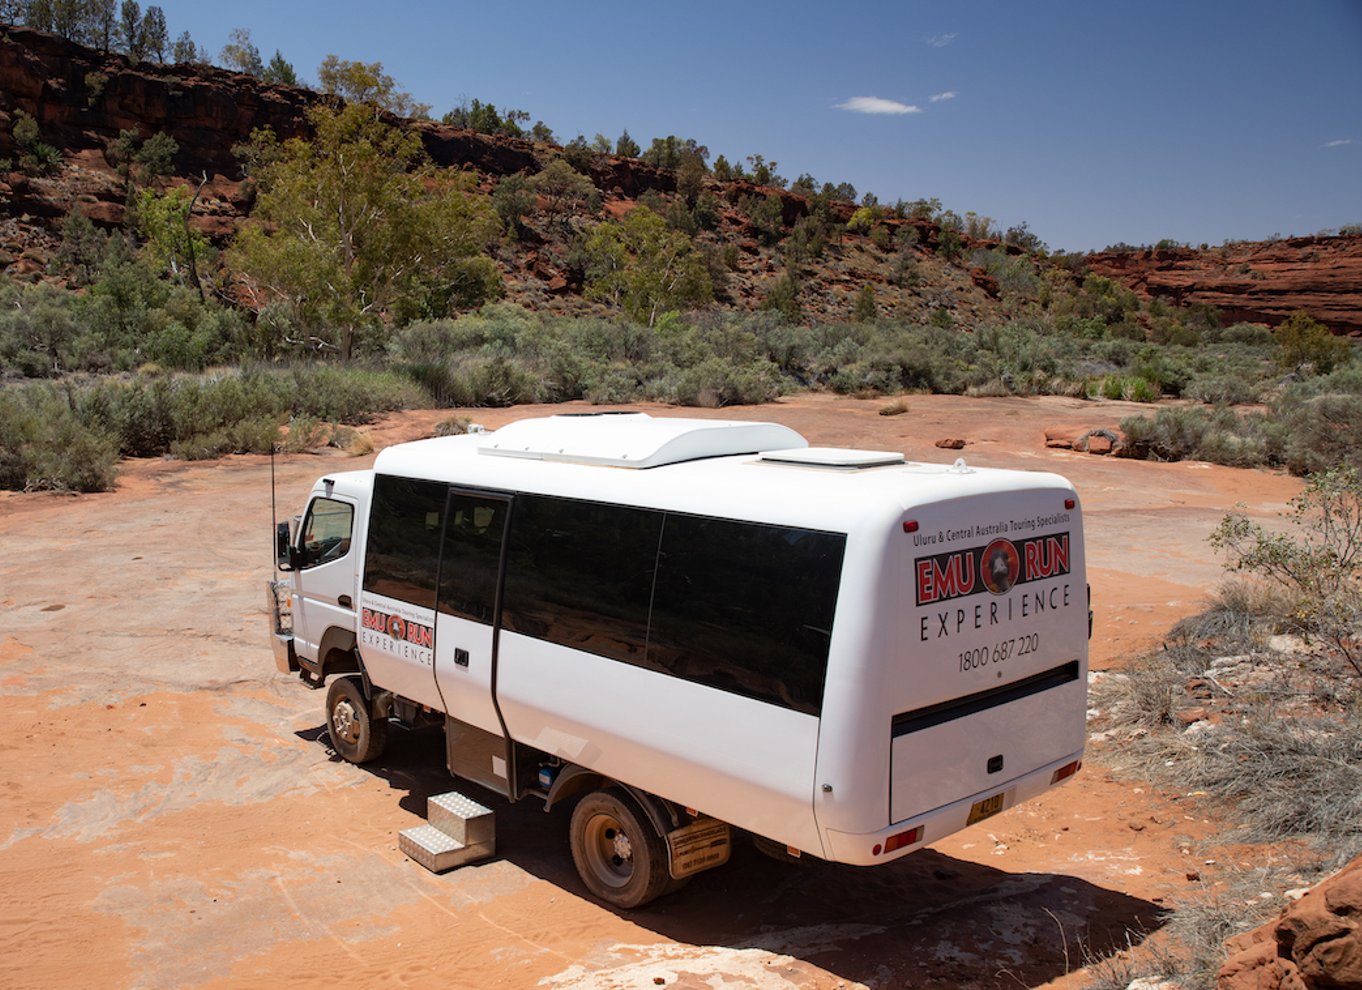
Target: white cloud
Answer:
pixel 874 104
pixel 950 94
pixel 1338 142
pixel 941 40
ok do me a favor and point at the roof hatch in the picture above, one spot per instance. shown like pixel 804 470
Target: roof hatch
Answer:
pixel 633 440
pixel 836 457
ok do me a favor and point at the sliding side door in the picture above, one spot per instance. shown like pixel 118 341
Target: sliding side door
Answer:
pixel 468 606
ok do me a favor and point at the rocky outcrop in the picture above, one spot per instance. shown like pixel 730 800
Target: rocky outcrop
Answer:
pixel 1257 283
pixel 1096 440
pixel 82 99
pixel 1315 945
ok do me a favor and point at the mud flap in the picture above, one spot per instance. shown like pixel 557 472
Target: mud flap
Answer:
pixel 701 845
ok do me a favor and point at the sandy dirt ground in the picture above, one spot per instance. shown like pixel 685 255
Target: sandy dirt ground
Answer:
pixel 171 814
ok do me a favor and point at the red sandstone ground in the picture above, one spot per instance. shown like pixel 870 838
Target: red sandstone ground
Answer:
pixel 171 815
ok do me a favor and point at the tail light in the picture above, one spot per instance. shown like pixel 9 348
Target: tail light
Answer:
pixel 899 841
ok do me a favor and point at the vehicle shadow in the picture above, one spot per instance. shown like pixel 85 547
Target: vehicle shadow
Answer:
pixel 926 920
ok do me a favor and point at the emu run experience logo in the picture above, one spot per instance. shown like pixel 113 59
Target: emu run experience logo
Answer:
pixel 398 628
pixel 994 568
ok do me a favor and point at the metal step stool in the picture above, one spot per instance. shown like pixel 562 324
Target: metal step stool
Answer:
pixel 458 831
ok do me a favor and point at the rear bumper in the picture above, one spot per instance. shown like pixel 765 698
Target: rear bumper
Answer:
pixel 867 849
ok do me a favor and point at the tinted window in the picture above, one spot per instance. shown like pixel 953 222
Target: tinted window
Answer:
pixel 326 531
pixel 746 608
pixel 474 526
pixel 580 574
pixel 403 554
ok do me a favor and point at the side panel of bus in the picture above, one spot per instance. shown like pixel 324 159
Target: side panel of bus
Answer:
pixel 679 653
pixel 743 762
pixel 667 650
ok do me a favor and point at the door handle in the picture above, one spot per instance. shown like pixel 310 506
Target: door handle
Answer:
pixel 344 601
pixel 460 657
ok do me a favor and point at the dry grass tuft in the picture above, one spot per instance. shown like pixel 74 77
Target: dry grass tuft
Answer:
pixel 896 408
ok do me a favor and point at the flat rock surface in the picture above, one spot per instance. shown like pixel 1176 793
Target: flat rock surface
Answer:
pixel 171 814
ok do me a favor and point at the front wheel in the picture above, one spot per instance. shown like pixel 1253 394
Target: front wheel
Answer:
pixel 355 734
pixel 619 855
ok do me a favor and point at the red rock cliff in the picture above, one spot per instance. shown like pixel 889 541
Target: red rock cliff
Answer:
pixel 82 99
pixel 1259 283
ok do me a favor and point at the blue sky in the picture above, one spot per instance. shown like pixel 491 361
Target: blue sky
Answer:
pixel 1095 122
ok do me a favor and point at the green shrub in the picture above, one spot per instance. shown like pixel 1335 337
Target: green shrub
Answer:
pixel 1173 434
pixel 140 414
pixel 492 380
pixel 1318 559
pixel 1166 369
pixel 257 435
pixel 1218 435
pixel 1322 433
pixel 36 157
pixel 612 385
pixel 714 382
pixel 1303 341
pixel 235 412
pixel 44 445
pixel 346 394
pixel 1254 334
pixel 1130 388
pixel 1321 419
pixel 127 318
pixel 1241 447
pixel 1222 391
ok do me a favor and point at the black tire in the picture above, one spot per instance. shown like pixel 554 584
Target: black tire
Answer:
pixel 355 734
pixel 618 854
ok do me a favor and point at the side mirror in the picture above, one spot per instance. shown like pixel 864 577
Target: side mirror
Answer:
pixel 285 556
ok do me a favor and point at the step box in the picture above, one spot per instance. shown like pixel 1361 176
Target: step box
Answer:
pixel 459 831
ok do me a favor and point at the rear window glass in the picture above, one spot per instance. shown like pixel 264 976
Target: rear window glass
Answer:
pixel 580 574
pixel 746 608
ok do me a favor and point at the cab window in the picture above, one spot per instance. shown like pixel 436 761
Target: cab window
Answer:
pixel 326 531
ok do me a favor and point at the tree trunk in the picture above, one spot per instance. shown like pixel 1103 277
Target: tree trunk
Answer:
pixel 189 240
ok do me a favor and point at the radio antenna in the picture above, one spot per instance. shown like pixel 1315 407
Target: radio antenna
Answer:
pixel 274 512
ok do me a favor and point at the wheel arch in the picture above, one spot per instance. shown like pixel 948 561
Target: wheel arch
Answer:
pixel 337 654
pixel 574 781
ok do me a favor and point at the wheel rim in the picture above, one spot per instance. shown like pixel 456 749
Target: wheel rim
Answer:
pixel 609 850
pixel 344 722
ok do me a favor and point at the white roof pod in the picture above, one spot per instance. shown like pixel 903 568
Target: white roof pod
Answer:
pixel 633 439
pixel 836 457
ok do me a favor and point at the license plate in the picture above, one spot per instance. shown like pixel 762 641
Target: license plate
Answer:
pixel 986 808
pixel 701 845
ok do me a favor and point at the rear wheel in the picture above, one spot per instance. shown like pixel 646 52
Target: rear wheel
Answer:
pixel 619 855
pixel 355 734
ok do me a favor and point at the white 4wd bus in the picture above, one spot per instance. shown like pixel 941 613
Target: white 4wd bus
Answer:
pixel 686 623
